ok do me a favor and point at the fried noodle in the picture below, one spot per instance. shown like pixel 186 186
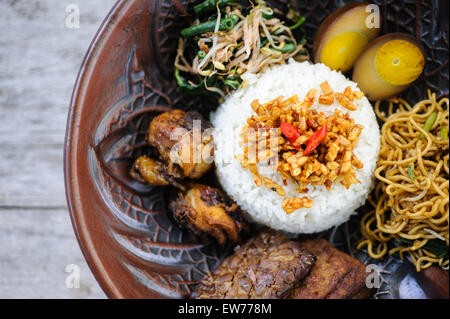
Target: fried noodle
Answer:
pixel 411 200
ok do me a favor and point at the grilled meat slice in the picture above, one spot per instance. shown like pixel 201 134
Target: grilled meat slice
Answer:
pixel 335 274
pixel 434 282
pixel 205 210
pixel 268 266
pixel 180 144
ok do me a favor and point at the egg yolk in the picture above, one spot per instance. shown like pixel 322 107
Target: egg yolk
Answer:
pixel 341 52
pixel 399 62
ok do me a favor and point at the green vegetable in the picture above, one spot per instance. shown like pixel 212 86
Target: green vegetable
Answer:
pixel 292 14
pixel 268 13
pixel 181 81
pixel 444 132
pixel 429 123
pixel 302 40
pixel 298 24
pixel 411 172
pixel 287 48
pixel 435 246
pixel 232 83
pixel 404 241
pixel 267 16
pixel 264 41
pixel 201 54
pixel 209 26
pixel 210 5
pixel 296 18
pixel 195 89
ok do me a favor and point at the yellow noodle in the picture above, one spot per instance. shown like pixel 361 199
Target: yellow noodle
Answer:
pixel 405 206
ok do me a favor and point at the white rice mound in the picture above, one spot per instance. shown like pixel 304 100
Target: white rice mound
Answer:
pixel 330 208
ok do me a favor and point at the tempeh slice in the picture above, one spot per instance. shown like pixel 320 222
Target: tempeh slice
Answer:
pixel 268 266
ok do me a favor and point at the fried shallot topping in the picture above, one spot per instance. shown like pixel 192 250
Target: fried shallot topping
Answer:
pixel 301 144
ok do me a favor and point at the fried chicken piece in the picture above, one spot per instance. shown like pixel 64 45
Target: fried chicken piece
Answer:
pixel 268 266
pixel 150 171
pixel 153 172
pixel 181 145
pixel 205 210
pixel 335 274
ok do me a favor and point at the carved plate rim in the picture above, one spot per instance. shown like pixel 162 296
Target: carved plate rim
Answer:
pixel 83 237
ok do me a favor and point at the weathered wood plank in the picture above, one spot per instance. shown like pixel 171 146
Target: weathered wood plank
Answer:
pixel 36 247
pixel 39 61
pixel 40 58
pixel 32 176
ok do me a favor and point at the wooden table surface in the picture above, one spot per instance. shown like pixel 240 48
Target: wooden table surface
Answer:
pixel 39 60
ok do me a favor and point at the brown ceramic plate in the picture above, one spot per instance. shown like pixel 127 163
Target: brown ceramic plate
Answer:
pixel 131 245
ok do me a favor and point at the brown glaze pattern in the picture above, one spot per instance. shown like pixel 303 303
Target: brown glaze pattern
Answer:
pixel 131 244
pixel 142 207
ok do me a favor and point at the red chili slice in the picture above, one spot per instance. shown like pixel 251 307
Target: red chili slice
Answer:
pixel 289 130
pixel 291 133
pixel 316 139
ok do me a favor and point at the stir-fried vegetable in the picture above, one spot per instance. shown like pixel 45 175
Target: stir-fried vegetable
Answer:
pixel 287 48
pixel 298 24
pixel 210 5
pixel 444 132
pixel 227 41
pixel 435 246
pixel 191 88
pixel 209 26
pixel 429 123
pixel 411 172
